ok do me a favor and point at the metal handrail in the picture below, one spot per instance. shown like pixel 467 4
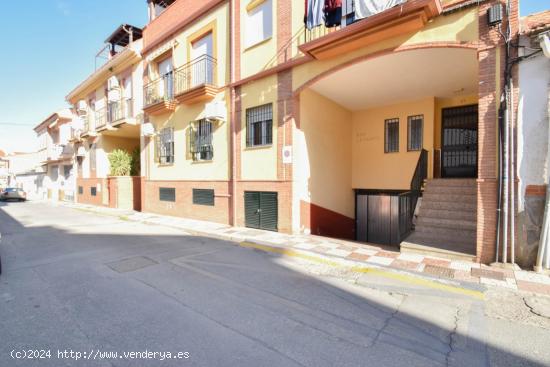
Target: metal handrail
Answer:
pixel 200 71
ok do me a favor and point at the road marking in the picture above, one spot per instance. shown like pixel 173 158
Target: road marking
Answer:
pixel 411 279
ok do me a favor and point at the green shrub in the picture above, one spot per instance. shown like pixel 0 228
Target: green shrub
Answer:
pixel 136 159
pixel 121 163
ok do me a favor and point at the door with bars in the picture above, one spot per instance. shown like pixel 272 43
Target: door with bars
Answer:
pixel 459 142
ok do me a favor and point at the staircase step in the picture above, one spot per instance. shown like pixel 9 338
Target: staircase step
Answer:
pixel 452 190
pixel 470 206
pixel 452 182
pixel 445 233
pixel 470 215
pixel 429 196
pixel 426 245
pixel 453 223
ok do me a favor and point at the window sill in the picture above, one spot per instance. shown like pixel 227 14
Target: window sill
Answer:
pixel 257 44
pixel 165 164
pixel 259 147
pixel 203 161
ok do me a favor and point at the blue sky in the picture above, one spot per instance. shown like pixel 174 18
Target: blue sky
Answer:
pixel 49 47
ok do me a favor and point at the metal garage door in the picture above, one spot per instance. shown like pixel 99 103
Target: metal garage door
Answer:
pixel 261 210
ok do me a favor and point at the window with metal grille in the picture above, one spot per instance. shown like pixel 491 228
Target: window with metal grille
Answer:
pixel 80 190
pixel 93 157
pixel 167 194
pixel 259 126
pixel 200 140
pixel 165 146
pixel 391 136
pixel 203 197
pixel 93 191
pixel 414 132
pixel 67 171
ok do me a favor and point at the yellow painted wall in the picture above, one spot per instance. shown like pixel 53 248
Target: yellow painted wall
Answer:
pixel 259 163
pixel 374 169
pixel 440 104
pixel 323 154
pixel 459 27
pixel 184 168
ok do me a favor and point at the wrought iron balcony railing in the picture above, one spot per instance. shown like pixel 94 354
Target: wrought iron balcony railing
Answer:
pixel 198 72
pixel 201 71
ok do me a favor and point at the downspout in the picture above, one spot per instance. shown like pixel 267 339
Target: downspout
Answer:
pixel 512 178
pixel 233 124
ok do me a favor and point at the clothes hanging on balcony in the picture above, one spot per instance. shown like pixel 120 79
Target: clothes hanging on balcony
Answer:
pixel 314 14
pixel 333 13
pixel 367 8
pixel 348 11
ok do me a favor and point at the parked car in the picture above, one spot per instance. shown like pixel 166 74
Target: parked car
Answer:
pixel 13 193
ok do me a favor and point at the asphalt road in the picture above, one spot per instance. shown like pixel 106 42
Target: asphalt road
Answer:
pixel 79 282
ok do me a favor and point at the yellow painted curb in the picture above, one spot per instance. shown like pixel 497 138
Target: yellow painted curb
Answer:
pixel 366 270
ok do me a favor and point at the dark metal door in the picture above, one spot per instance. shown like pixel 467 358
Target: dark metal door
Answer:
pixel 459 141
pixel 261 210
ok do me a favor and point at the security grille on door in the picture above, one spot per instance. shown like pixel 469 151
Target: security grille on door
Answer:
pixel 261 210
pixel 200 140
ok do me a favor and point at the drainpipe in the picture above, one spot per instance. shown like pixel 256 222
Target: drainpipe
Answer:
pixel 505 179
pixel 512 179
pixel 233 124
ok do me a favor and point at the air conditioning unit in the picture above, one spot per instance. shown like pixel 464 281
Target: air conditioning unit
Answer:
pixel 113 83
pixel 81 106
pixel 215 111
pixel 113 95
pixel 77 124
pixel 147 129
pixel 81 152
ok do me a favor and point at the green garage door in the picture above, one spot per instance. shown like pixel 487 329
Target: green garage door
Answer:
pixel 261 210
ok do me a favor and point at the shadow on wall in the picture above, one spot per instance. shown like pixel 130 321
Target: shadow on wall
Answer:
pixel 131 292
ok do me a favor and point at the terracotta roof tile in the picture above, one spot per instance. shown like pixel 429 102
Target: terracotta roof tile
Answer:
pixel 535 23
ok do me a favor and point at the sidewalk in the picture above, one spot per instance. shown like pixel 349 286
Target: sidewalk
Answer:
pixel 348 252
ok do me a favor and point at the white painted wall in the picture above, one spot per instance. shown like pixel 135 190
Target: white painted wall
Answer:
pixel 533 123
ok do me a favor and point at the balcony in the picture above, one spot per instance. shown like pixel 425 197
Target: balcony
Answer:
pixel 89 125
pixel 196 81
pixel 192 83
pixel 159 95
pixel 115 114
pixel 323 43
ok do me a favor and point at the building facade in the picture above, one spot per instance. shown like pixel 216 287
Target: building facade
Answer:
pixel 55 154
pixel 330 124
pixel 108 116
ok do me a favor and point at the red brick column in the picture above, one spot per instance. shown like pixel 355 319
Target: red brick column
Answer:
pixel 491 58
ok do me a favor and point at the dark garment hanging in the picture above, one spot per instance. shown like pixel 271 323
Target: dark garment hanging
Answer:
pixel 331 5
pixel 333 18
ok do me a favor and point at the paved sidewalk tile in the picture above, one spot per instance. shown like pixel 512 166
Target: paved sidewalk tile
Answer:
pixel 365 251
pixel 533 287
pixel 404 264
pixel 411 257
pixel 381 260
pixel 355 255
pixel 532 277
pixel 338 252
pixel 436 262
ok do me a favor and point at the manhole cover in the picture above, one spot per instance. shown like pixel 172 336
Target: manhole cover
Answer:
pixel 131 264
pixel 439 271
pixel 487 274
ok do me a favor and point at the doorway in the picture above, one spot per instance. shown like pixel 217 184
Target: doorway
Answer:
pixel 459 142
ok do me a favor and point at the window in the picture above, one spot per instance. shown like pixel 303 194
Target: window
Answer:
pixel 165 146
pixel 414 132
pixel 54 174
pixel 258 22
pixel 203 197
pixel 259 126
pixel 200 140
pixel 93 191
pixel 67 171
pixel 167 194
pixel 80 190
pixel 93 157
pixel 391 136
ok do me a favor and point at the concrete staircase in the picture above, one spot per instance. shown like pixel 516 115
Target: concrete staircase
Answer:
pixel 447 220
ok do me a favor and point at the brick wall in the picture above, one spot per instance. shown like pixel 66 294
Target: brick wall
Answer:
pixel 178 15
pixel 86 196
pixel 183 206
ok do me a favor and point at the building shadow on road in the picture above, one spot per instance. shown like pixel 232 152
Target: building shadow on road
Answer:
pixel 224 304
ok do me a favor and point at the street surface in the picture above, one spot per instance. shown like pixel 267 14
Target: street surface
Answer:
pixel 82 289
